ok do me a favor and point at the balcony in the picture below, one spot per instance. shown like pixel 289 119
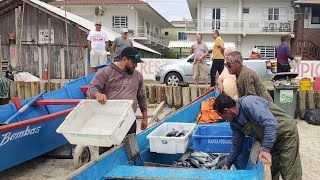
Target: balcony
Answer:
pixel 239 27
pixel 145 36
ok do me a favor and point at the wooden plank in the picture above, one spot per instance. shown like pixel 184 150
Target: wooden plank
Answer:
pixel 310 100
pixel 27 90
pixel 169 95
pixel 186 96
pixel 13 89
pixel 194 93
pixel 35 88
pixel 156 113
pixel 54 86
pixel 317 99
pixel 177 96
pixel 302 103
pixel 40 63
pixel 20 87
pixel 62 63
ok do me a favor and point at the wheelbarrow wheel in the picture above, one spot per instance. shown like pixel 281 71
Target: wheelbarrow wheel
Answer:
pixel 81 156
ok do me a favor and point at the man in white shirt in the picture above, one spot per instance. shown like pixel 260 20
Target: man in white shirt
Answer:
pixel 98 43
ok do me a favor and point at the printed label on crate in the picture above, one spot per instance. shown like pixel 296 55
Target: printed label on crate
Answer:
pixel 286 96
pixel 219 141
pixel 164 141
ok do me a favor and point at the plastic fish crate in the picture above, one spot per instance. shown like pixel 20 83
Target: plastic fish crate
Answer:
pixel 159 143
pixel 215 139
pixel 92 123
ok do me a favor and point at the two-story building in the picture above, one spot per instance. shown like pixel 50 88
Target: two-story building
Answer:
pixel 247 23
pixel 142 21
pixel 307 29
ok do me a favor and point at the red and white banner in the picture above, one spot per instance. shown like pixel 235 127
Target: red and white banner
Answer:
pixel 308 69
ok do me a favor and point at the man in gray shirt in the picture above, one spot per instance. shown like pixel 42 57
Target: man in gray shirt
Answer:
pixel 200 51
pixel 120 43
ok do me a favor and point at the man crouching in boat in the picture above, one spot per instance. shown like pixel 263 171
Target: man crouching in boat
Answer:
pixel 122 81
pixel 267 123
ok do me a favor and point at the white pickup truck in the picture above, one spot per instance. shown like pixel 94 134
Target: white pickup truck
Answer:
pixel 181 70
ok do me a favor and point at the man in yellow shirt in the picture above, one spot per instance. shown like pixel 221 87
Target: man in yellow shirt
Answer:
pixel 217 57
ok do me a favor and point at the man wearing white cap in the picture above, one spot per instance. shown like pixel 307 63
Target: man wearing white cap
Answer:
pixel 120 43
pixel 108 61
pixel 98 43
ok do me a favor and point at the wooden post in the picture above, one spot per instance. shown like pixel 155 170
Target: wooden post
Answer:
pixel 49 52
pixel 310 100
pixel 169 96
pixel 54 86
pixel 160 94
pixel 13 89
pixel 40 66
pixel 194 93
pixel 20 86
pixel 27 90
pixel 1 57
pixel 302 104
pixel 317 99
pixel 152 93
pixel 177 96
pixel 35 88
pixel 202 90
pixel 186 97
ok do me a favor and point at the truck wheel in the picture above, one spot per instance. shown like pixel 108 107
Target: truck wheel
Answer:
pixel 173 79
pixel 81 156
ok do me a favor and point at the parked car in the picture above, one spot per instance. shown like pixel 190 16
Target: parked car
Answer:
pixel 181 70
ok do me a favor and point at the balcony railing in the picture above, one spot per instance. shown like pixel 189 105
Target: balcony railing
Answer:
pixel 143 31
pixel 238 26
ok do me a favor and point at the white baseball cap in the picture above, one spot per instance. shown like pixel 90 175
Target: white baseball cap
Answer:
pixel 108 53
pixel 124 30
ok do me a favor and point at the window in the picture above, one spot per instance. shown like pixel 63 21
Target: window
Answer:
pixel 315 15
pixel 245 10
pixel 267 51
pixel 273 14
pixel 178 56
pixel 166 33
pixel 182 36
pixel 119 21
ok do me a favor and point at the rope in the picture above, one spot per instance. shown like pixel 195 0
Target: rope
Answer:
pixel 4 87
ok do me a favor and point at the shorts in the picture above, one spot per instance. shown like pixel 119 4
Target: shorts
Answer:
pixel 97 58
pixel 200 70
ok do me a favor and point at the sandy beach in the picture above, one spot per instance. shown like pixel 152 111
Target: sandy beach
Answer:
pixel 41 168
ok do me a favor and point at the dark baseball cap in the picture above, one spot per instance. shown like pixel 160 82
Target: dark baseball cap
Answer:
pixel 131 53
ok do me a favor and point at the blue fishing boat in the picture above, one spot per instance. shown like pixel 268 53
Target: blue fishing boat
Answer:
pixel 28 128
pixel 122 162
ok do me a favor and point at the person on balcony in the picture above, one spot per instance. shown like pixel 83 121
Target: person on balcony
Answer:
pixel 200 51
pixel 217 57
pixel 283 53
pixel 255 53
pixel 98 43
pixel 120 43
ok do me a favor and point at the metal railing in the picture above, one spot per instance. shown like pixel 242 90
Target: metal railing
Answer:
pixel 238 26
pixel 143 31
pixel 308 48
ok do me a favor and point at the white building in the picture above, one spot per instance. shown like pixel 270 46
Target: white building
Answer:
pixel 143 22
pixel 247 23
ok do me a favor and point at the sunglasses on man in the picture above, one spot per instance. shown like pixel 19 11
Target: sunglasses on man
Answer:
pixel 228 64
pixel 98 24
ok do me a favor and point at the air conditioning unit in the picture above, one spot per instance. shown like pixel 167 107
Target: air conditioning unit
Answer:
pixel 99 11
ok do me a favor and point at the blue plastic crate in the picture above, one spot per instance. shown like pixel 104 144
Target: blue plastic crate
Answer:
pixel 215 139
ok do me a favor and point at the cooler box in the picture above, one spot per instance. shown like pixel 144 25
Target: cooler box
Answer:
pixel 159 143
pixel 94 124
pixel 215 139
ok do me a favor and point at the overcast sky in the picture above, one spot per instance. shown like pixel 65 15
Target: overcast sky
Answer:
pixel 171 9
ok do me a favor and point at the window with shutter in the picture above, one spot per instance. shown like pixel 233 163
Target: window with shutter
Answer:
pixel 119 22
pixel 267 51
